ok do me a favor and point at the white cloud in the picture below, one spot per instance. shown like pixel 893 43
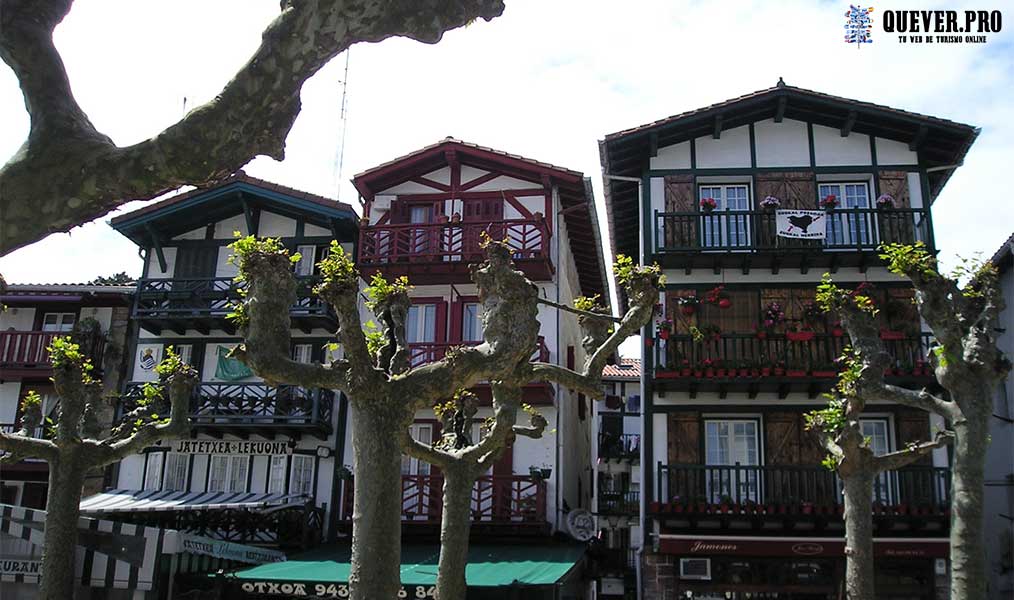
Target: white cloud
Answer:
pixel 546 80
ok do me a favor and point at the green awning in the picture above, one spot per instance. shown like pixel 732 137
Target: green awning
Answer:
pixel 488 566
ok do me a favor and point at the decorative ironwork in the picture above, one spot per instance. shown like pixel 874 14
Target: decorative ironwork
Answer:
pixel 211 298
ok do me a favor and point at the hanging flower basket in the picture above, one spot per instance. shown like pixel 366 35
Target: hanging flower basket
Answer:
pixel 885 202
pixel 770 203
pixel 688 304
pixel 715 296
pixel 829 202
pixel 708 205
pixel 724 303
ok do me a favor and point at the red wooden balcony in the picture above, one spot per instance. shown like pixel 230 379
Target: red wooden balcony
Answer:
pixel 514 502
pixel 427 352
pixel 26 353
pixel 441 252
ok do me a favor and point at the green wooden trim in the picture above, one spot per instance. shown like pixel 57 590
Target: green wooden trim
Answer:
pixel 753 148
pixel 647 224
pixel 813 149
pixel 693 154
pixel 926 204
pixel 754 171
pixel 157 244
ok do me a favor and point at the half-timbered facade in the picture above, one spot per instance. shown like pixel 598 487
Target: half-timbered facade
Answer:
pixel 424 216
pixel 261 461
pixel 745 204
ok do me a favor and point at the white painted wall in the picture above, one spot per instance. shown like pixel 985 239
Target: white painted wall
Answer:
pixel 730 150
pixel 891 152
pixel 154 270
pixel 17 318
pixel 832 150
pixel 676 156
pixel 273 225
pixel 9 391
pixel 102 314
pixel 784 144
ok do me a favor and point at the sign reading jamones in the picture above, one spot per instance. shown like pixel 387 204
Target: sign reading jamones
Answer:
pixel 231 447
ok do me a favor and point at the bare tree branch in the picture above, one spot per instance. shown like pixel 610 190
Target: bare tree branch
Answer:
pixel 421 451
pixel 901 458
pixel 68 173
pixel 20 447
pixel 178 386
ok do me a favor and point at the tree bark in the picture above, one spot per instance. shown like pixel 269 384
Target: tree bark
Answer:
pixel 455 524
pixel 859 536
pixel 376 517
pixel 968 560
pixel 66 477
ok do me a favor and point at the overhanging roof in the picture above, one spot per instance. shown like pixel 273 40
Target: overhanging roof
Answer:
pixel 576 197
pixel 940 142
pixel 128 501
pixel 230 197
pixel 488 566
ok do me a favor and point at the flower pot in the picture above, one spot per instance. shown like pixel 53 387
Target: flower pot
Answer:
pixel 658 375
pixel 649 342
pixel 837 332
pixel 709 372
pixel 677 508
pixel 719 372
pixel 654 507
pixel 685 372
pixel 825 374
pixel 744 372
pixel 799 336
pixel 762 335
pixel 795 373
pixel 724 508
pixel 765 371
pixel 779 371
pixel 663 334
pixel 688 309
pixel 807 508
pixel 698 374
pixel 724 303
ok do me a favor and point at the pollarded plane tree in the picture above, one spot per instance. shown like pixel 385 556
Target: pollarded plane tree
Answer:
pixel 840 433
pixel 74 444
pixel 68 172
pixel 961 310
pixel 463 460
pixel 385 391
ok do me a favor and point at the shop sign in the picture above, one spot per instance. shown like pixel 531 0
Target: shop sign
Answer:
pixel 326 590
pixel 20 566
pixel 242 447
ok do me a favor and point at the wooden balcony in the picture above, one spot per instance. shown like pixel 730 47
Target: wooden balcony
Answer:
pixel 514 504
pixel 204 304
pixel 442 252
pixel 26 353
pixel 693 493
pixel 775 362
pixel 253 408
pixel 747 239
pixel 619 503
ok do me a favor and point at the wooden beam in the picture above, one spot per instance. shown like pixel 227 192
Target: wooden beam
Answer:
pixel 653 145
pixel 252 215
pixel 717 133
pixel 157 244
pixel 919 137
pixel 780 111
pixel 850 120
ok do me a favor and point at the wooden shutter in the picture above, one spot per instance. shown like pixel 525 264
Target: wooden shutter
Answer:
pixel 913 428
pixel 787 442
pixel 895 227
pixel 684 437
pixel 680 198
pixel 895 183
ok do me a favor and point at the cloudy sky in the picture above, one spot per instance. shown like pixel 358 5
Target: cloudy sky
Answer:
pixel 546 80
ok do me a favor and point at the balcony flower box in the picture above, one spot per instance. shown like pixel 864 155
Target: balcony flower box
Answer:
pixel 795 373
pixel 837 332
pixel 698 373
pixel 824 374
pixel 890 334
pixel 666 374
pixel 649 342
pixel 654 507
pixel 779 371
pixel 807 508
pixel 709 372
pixel 765 371
pixel 762 335
pixel 744 372
pixel 677 507
pixel 663 334
pixel 799 336
pixel 724 303
pixel 686 372
pixel 720 372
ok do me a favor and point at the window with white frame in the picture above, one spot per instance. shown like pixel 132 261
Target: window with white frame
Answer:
pixel 877 432
pixel 421 328
pixel 58 322
pixel 228 473
pixel 471 324
pixel 301 352
pixel 177 467
pixel 276 474
pixel 185 352
pixel 848 227
pixel 301 480
pixel 307 260
pixel 732 446
pixel 723 227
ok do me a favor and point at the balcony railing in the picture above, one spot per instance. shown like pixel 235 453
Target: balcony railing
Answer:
pixel 624 445
pixel 801 354
pixel 860 229
pixel 698 487
pixel 26 351
pixel 421 353
pixel 621 503
pixel 224 406
pixel 210 298
pixel 514 500
pixel 448 242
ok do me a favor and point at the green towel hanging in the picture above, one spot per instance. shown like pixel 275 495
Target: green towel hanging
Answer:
pixel 230 369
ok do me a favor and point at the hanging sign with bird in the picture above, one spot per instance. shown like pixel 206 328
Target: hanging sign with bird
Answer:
pixel 802 224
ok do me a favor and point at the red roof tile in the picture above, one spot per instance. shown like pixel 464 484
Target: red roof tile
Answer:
pixel 627 368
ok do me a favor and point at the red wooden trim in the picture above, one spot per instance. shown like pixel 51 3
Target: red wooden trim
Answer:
pixel 439 196
pixel 430 183
pixel 549 211
pixel 480 180
pixel 512 199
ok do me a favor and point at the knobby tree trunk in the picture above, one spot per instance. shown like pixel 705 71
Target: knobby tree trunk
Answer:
pixel 455 524
pixel 66 477
pixel 968 558
pixel 376 517
pixel 859 536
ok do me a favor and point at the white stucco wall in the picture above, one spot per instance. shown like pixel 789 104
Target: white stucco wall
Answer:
pixel 832 150
pixel 891 152
pixel 676 156
pixel 731 150
pixel 17 318
pixel 784 144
